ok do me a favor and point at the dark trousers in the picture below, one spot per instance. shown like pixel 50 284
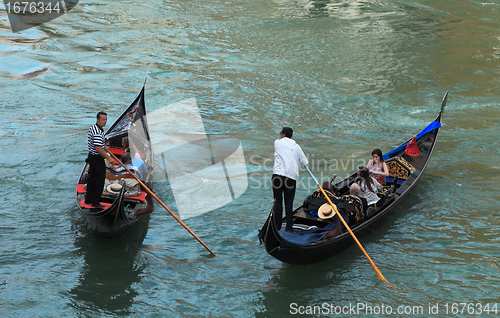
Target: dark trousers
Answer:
pixel 95 182
pixel 283 186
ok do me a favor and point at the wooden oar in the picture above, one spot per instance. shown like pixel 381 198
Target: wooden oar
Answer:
pixel 379 274
pixel 163 204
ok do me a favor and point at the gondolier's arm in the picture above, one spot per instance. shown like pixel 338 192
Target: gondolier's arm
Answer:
pixel 104 154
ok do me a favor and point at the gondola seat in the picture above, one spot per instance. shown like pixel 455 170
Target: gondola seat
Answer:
pixel 113 175
pixel 399 167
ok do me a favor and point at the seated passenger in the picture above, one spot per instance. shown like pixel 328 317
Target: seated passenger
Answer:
pixel 316 199
pixel 377 167
pixel 328 186
pixel 141 166
pixel 126 160
pixel 136 160
pixel 368 185
pixel 355 190
pixel 125 143
pixel 106 149
pixel 358 205
pixel 325 212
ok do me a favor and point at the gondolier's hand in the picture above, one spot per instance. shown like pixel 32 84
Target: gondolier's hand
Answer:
pixel 104 154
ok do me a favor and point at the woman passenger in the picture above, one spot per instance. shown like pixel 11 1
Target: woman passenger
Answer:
pixel 369 186
pixel 377 167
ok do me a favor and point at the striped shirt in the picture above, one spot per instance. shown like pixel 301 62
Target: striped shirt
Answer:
pixel 95 139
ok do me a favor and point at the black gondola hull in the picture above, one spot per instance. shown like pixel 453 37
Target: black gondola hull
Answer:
pixel 320 251
pixel 113 221
pixel 287 252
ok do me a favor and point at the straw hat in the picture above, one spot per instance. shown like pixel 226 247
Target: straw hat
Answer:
pixel 412 148
pixel 326 211
pixel 114 188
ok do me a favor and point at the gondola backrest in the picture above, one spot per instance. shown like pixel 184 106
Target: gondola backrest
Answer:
pixel 400 167
pixel 114 176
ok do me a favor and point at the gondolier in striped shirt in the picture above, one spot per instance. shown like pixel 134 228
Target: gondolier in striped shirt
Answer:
pixel 97 155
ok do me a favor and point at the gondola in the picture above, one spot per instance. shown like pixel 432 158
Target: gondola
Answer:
pixel 405 171
pixel 123 198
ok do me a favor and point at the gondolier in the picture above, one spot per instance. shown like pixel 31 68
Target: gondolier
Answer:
pixel 96 157
pixel 287 156
pixel 123 204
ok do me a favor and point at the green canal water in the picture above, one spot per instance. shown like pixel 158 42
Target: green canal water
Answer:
pixel 347 76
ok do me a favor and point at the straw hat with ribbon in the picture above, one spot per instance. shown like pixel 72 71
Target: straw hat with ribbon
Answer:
pixel 326 211
pixel 114 188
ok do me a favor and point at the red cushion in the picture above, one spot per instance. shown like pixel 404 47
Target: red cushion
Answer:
pixel 80 188
pixel 89 206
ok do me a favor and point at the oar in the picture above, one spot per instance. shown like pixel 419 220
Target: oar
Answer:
pixel 379 274
pixel 163 204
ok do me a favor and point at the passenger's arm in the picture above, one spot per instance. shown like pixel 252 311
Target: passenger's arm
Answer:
pixel 386 170
pixel 368 165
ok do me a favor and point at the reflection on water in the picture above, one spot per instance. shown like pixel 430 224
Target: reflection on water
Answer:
pixel 303 285
pixel 112 267
pixel 342 9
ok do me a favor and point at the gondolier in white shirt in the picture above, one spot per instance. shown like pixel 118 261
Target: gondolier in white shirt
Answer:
pixel 287 156
pixel 96 157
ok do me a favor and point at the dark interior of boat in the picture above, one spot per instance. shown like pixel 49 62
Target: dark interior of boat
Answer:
pixel 401 173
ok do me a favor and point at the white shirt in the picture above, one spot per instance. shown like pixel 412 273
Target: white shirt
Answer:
pixel 287 156
pixel 371 197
